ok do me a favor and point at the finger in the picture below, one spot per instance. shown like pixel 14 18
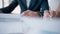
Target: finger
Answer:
pixel 24 13
pixel 47 15
pixel 34 14
pixel 53 13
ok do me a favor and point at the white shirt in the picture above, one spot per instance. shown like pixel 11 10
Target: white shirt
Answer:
pixel 28 2
pixel 53 4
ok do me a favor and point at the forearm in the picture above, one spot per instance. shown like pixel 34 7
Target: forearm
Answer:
pixel 58 8
pixel 10 8
pixel 44 7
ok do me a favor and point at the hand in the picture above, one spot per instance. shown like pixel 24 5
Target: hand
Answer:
pixel 46 13
pixel 30 13
pixel 52 13
pixel 25 13
pixel 58 11
pixel 33 14
pixel 57 14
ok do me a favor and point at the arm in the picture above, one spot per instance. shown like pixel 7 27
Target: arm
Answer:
pixel 10 8
pixel 58 11
pixel 44 7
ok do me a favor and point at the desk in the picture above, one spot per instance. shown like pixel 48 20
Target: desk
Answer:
pixel 14 23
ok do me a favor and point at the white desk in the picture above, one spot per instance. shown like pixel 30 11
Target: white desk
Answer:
pixel 14 23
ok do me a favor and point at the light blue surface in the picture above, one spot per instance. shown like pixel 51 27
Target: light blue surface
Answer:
pixel 47 32
pixel 28 25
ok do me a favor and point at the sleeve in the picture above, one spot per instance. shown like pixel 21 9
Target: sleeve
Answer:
pixel 44 6
pixel 10 8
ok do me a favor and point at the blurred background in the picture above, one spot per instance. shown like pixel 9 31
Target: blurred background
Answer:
pixel 13 23
pixel 4 3
pixel 53 5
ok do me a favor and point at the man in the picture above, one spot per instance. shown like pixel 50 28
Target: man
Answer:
pixel 32 8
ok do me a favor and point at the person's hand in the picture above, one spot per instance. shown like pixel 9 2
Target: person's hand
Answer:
pixel 25 13
pixel 58 11
pixel 52 13
pixel 33 14
pixel 30 13
pixel 46 13
pixel 57 14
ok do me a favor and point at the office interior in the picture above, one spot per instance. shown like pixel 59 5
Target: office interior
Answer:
pixel 14 23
